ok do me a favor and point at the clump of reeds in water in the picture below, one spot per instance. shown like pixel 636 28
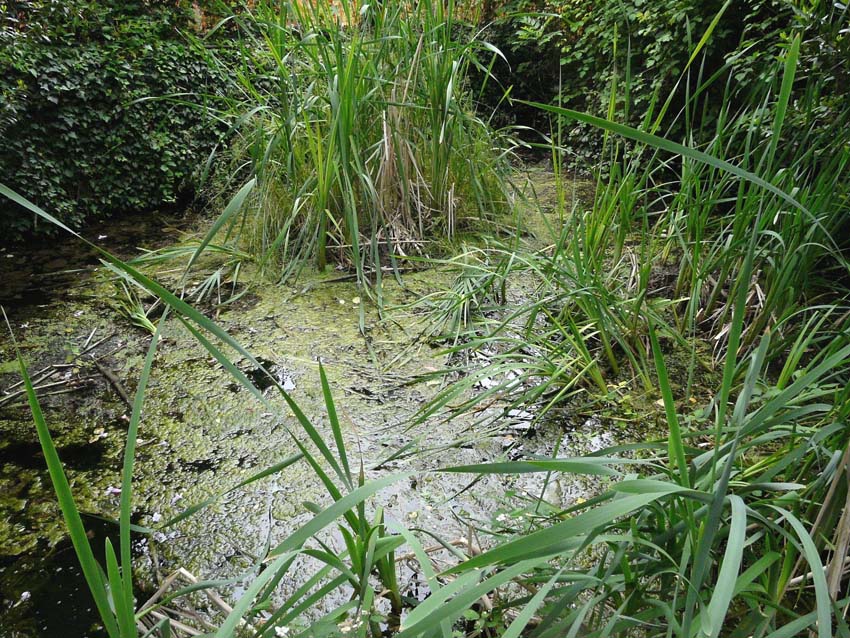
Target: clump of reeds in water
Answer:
pixel 362 132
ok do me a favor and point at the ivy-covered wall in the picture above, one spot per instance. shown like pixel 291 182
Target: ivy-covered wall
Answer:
pixel 86 129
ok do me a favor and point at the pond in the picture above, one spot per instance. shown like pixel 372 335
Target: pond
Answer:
pixel 201 433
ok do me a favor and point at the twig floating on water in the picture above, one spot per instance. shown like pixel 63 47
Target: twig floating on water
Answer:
pixel 114 381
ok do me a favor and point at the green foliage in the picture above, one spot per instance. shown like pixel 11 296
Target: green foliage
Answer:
pixel 666 243
pixel 80 134
pixel 571 50
pixel 577 53
pixel 735 522
pixel 754 473
pixel 760 274
pixel 701 540
pixel 362 136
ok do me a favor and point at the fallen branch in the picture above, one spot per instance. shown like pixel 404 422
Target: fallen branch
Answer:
pixel 114 382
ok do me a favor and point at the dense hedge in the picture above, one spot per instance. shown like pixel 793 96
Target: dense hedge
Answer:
pixel 79 135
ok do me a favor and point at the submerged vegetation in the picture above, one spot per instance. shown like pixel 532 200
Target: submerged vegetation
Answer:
pixel 705 285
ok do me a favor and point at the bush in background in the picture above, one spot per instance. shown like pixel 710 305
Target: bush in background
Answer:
pixel 576 51
pixel 79 135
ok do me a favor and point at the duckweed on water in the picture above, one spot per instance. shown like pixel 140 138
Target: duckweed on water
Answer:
pixel 200 432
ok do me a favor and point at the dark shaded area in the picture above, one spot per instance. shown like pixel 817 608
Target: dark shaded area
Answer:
pixel 37 272
pixel 259 376
pixel 77 456
pixel 44 593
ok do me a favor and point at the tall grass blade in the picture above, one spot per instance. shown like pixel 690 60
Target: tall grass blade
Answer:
pixel 233 207
pixel 334 511
pixel 530 608
pixel 76 530
pixel 791 58
pixel 823 602
pixel 335 426
pixel 548 541
pixel 463 592
pixel 724 588
pixel 664 144
pixel 676 446
pixel 126 504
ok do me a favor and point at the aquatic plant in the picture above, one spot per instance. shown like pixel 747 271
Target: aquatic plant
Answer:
pixel 666 241
pixel 361 133
pixel 704 540
pixel 758 468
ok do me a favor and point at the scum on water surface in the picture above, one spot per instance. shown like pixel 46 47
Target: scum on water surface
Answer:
pixel 201 433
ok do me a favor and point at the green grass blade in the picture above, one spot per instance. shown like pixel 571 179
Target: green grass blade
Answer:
pixel 547 541
pixel 22 201
pixel 524 617
pixel 725 586
pixel 309 594
pixel 232 208
pixel 243 606
pixel 425 565
pixel 123 605
pixel 277 467
pixel 335 426
pixel 795 628
pixel 450 601
pixel 237 374
pixel 126 505
pixel 593 466
pixel 76 530
pixel 675 444
pixel 671 147
pixel 791 58
pixel 823 602
pixel 162 629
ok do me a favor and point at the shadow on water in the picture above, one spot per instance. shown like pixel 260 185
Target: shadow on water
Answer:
pixel 42 590
pixel 38 272
pixel 77 456
pixel 44 594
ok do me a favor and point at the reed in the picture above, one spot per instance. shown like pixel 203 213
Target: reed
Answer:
pixel 361 133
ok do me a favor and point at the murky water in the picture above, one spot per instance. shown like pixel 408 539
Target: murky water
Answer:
pixel 202 433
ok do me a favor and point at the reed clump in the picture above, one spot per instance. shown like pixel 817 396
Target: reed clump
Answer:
pixel 361 130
